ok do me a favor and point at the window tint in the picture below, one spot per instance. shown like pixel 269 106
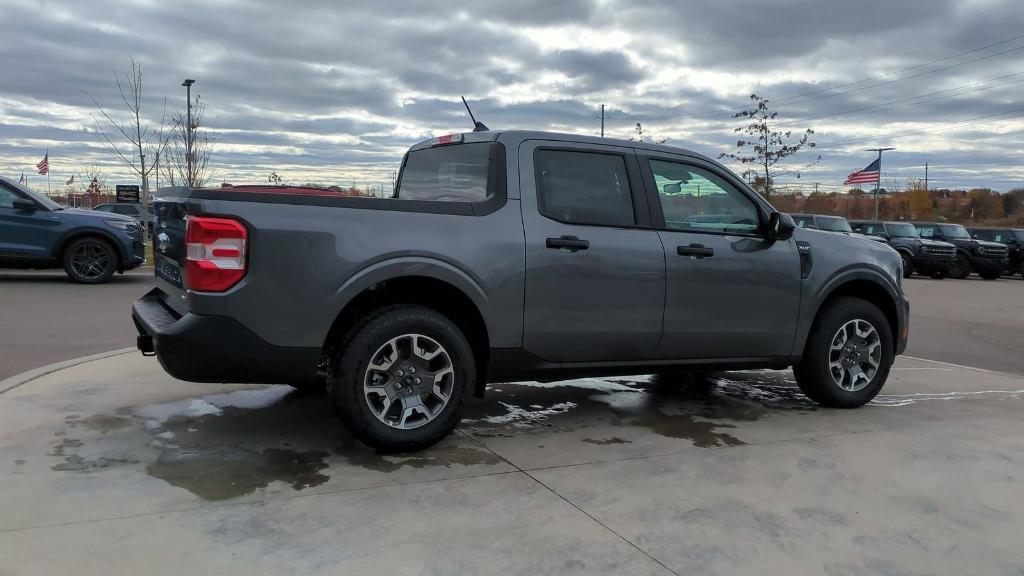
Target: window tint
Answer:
pixel 695 199
pixel 804 221
pixel 584 188
pixel 999 237
pixel 954 231
pixel 455 173
pixel 926 231
pixel 834 224
pixel 7 198
pixel 902 230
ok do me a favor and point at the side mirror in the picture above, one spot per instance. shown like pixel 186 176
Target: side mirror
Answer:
pixel 780 226
pixel 672 188
pixel 24 204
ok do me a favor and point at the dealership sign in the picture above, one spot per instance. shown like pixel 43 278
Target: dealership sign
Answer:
pixel 128 193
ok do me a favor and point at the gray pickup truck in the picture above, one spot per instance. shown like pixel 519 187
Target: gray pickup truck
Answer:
pixel 512 255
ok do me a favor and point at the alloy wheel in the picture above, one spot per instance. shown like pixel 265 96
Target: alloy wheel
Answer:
pixel 855 355
pixel 90 261
pixel 409 381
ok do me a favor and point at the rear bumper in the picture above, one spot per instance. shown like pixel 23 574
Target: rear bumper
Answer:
pixel 200 348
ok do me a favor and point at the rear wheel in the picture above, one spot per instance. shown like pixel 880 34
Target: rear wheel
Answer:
pixel 908 265
pixel 89 261
pixel 848 355
pixel 400 381
pixel 960 268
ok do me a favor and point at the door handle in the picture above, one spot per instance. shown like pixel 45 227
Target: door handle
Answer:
pixel 571 243
pixel 697 251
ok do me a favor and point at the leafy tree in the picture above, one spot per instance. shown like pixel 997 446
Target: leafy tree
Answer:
pixel 764 144
pixel 918 199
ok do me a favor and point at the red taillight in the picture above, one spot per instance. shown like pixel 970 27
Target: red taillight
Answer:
pixel 214 253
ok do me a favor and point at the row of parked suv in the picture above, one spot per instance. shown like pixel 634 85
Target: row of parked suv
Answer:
pixel 936 249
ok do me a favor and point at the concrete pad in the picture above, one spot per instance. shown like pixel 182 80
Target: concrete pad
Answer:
pixel 112 466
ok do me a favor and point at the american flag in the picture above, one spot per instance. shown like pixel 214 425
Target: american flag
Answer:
pixel 868 174
pixel 44 164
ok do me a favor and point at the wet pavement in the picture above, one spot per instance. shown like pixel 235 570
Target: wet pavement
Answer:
pixel 113 467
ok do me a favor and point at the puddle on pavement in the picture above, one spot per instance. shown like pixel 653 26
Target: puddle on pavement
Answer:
pixel 700 409
pixel 231 444
pixel 222 472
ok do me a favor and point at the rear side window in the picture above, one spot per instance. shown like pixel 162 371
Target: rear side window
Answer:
pixel 584 188
pixel 447 173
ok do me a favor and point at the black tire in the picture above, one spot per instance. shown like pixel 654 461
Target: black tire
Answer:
pixel 813 374
pixel 960 268
pixel 347 369
pixel 990 275
pixel 908 265
pixel 89 260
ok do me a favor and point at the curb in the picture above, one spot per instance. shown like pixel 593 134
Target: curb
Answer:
pixel 13 382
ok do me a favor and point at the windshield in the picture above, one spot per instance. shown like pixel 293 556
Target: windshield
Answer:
pixel 902 230
pixel 1018 234
pixel 834 224
pixel 39 198
pixel 954 231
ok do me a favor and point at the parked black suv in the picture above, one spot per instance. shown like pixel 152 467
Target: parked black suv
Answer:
pixel 1014 240
pixel 924 256
pixel 988 259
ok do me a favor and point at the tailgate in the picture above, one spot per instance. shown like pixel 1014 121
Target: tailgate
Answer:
pixel 169 247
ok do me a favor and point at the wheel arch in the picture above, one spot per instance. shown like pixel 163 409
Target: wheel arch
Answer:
pixel 435 285
pixel 70 236
pixel 865 284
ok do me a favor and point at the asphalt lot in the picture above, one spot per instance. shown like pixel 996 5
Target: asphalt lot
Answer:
pixel 47 319
pixel 112 467
pixel 44 318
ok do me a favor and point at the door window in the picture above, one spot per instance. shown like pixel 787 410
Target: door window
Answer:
pixel 697 200
pixel 584 188
pixel 7 198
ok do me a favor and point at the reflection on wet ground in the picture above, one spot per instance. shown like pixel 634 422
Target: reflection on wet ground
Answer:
pixel 227 445
pixel 698 408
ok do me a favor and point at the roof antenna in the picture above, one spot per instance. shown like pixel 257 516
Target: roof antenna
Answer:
pixel 477 126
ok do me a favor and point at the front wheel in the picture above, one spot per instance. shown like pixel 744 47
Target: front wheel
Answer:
pixel 960 268
pixel 908 265
pixel 399 383
pixel 848 355
pixel 90 261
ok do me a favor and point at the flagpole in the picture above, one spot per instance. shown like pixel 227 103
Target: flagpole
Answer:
pixel 878 180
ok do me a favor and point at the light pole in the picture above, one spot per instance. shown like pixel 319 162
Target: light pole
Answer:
pixel 188 130
pixel 878 181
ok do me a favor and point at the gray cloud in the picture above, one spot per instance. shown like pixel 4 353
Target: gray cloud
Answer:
pixel 325 89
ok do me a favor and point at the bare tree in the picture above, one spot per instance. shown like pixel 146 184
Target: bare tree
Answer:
pixel 186 141
pixel 766 146
pixel 141 135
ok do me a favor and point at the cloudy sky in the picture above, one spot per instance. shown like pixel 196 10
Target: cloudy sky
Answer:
pixel 333 92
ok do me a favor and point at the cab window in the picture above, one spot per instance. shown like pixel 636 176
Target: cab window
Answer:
pixel 584 188
pixel 696 200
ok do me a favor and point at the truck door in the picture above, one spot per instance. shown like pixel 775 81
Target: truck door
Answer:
pixel 595 270
pixel 731 292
